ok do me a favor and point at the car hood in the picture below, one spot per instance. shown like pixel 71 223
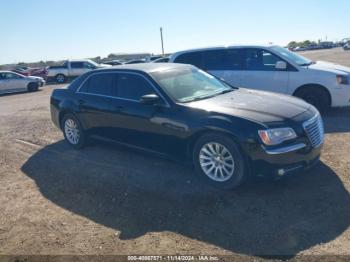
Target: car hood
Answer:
pixel 258 106
pixel 330 67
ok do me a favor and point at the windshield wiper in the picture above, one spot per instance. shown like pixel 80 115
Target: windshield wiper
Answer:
pixel 208 96
pixel 226 91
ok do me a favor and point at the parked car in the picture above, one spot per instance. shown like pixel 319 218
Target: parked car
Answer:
pixel 187 113
pixel 152 58
pixel 161 60
pixel 71 69
pixel 13 82
pixel 28 71
pixel 347 46
pixel 40 72
pixel 23 70
pixel 299 48
pixel 136 61
pixel 113 62
pixel 275 69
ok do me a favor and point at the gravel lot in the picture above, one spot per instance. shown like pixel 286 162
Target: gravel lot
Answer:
pixel 112 200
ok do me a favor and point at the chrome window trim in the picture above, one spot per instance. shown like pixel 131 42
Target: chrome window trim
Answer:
pixel 117 97
pixel 284 150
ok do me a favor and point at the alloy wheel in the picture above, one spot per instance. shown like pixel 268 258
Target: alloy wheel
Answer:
pixel 216 162
pixel 72 132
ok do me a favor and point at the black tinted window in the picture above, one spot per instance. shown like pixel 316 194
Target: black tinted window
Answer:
pixel 234 58
pixel 260 60
pixel 100 84
pixel 132 86
pixel 194 58
pixel 222 59
pixel 214 60
pixel 77 64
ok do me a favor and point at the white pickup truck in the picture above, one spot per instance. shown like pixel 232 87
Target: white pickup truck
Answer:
pixel 71 69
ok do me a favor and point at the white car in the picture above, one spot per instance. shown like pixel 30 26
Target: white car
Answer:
pixel 275 69
pixel 12 82
pixel 71 69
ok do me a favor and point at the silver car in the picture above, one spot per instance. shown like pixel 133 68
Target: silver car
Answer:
pixel 13 82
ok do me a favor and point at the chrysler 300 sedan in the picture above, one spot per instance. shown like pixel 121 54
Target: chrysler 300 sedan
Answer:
pixel 227 133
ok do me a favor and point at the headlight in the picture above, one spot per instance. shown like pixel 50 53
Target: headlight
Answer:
pixel 276 136
pixel 342 80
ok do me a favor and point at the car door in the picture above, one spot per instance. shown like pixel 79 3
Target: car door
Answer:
pixel 77 68
pixel 225 64
pixel 260 71
pixel 94 100
pixel 3 83
pixel 137 123
pixel 15 82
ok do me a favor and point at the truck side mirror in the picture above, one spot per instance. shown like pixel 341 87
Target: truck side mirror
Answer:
pixel 281 65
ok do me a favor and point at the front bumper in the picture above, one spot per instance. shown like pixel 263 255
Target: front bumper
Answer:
pixel 42 83
pixel 285 160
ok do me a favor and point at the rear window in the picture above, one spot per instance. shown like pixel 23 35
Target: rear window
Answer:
pixel 100 84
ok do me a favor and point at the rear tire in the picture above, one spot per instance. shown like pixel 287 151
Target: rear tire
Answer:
pixel 219 161
pixel 73 131
pixel 60 78
pixel 316 96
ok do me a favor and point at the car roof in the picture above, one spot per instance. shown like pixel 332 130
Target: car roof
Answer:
pixel 6 71
pixel 220 48
pixel 146 67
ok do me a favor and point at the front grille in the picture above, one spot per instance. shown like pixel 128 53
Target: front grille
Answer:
pixel 314 130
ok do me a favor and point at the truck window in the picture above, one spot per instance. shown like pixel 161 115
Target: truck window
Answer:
pixel 88 65
pixel 77 65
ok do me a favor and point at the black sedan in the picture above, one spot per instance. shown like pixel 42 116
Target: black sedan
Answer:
pixel 227 133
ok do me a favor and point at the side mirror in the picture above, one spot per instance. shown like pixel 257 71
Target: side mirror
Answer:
pixel 281 65
pixel 149 99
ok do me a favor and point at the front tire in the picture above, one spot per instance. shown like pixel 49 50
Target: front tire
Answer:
pixel 73 131
pixel 32 87
pixel 219 161
pixel 316 96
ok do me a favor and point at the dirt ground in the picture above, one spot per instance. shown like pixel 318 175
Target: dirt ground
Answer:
pixel 107 200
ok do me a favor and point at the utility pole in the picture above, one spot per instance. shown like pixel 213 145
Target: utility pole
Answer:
pixel 161 38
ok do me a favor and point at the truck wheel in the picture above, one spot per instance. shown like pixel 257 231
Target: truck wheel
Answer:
pixel 33 87
pixel 60 78
pixel 316 96
pixel 218 160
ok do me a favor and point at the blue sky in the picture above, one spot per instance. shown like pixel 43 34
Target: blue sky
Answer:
pixel 33 30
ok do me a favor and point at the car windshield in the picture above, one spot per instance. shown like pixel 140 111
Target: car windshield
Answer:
pixel 298 59
pixel 190 84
